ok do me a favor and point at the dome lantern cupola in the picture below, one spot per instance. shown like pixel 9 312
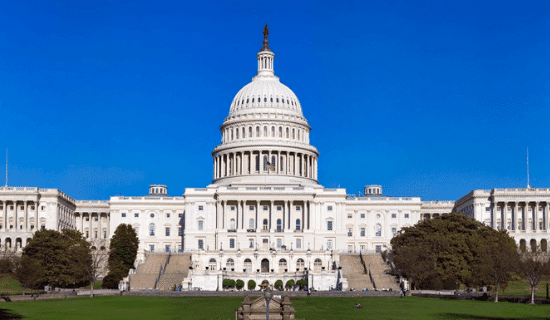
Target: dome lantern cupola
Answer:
pixel 265 57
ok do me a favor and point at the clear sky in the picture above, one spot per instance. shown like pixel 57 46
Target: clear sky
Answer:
pixel 426 98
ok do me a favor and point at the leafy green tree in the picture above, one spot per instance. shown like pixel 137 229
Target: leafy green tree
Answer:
pixel 278 284
pixel 251 284
pixel 57 253
pixel 122 254
pixel 289 284
pixel 534 266
pixel 28 271
pixel 441 253
pixel 240 284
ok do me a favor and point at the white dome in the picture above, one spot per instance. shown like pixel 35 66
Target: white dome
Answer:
pixel 266 94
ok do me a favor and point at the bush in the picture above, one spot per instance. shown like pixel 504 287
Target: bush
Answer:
pixel 6 265
pixel 289 284
pixel 278 284
pixel 111 281
pixel 240 284
pixel 232 283
pixel 225 283
pixel 251 284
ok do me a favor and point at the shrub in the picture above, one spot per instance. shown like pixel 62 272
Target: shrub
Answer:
pixel 240 284
pixel 232 283
pixel 6 266
pixel 289 284
pixel 225 283
pixel 251 284
pixel 278 284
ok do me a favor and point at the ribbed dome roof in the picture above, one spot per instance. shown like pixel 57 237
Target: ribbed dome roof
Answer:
pixel 265 94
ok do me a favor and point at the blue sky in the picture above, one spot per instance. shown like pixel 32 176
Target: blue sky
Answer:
pixel 426 98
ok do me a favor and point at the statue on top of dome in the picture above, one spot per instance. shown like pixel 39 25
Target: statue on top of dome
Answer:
pixel 266 42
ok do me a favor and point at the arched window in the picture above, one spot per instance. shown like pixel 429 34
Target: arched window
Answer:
pixel 265 131
pixel 293 134
pixel 232 224
pixel 282 265
pixel 317 265
pixel 212 264
pixel 244 132
pixel 273 161
pixel 279 225
pixel 265 224
pixel 273 131
pixel 237 133
pixel 265 163
pixel 280 132
pixel 248 265
pixel 251 224
pixel 378 230
pixel 298 224
pixel 152 229
pixel 250 132
pixel 281 163
pixel 258 163
pixel 257 131
pixel 300 264
pixel 231 134
pixel 299 134
pixel 287 133
pixel 230 264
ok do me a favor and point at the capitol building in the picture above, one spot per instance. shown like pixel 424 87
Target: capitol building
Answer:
pixel 264 216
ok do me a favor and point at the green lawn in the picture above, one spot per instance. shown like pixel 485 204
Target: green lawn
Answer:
pixel 521 287
pixel 309 308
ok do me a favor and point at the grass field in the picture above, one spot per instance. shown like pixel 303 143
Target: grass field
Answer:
pixel 521 287
pixel 307 308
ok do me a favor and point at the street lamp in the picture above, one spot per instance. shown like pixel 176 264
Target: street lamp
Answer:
pixel 267 294
pixel 236 310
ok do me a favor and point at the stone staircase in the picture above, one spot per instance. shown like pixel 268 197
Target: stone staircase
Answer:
pixel 354 272
pixel 176 270
pixel 380 272
pixel 148 272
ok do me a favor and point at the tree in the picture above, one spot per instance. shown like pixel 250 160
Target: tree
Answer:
pixel 240 284
pixel 122 255
pixel 533 267
pixel 8 259
pixel 96 265
pixel 278 284
pixel 439 253
pixel 289 284
pixel 57 252
pixel 28 271
pixel 251 284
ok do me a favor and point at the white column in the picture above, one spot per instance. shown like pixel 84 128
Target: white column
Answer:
pixel 537 228
pixel 224 214
pixel 233 164
pixel 256 220
pixel 270 216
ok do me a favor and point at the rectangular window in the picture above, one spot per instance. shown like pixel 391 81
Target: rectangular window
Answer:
pixel 488 209
pixel 180 231
pixel 201 208
pixel 329 208
pixel 265 208
pixel 362 232
pixel 42 207
pixel 393 215
pixel 232 243
pixel 297 208
pixel 32 207
pixel 329 225
pixel 251 243
pixel 279 208
pixel 11 207
pixel 362 216
pixel 22 208
pixel 180 248
pixel 232 208
pixel 137 232
pixel 136 215
pixel 167 248
pixel 167 231
pixel 251 208
pixel 349 232
pixel 124 215
pixel 152 247
pixel 378 248
pixel 180 215
pixel 201 225
pixel 394 231
pixel 279 243
pixel 201 244
pixel 349 216
pixel 104 234
pixel 406 215
pixel 94 233
pixel 167 215
pixel 95 219
pixel 329 245
pixel 43 227
pixel 298 243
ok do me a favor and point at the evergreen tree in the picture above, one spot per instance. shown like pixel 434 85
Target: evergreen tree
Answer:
pixel 122 254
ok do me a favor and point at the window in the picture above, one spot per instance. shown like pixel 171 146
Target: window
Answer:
pixel 349 216
pixel 40 208
pixel 265 224
pixel 487 209
pixel 329 208
pixel 393 215
pixel 87 218
pixel 279 208
pixel 167 231
pixel 251 224
pixel 394 231
pixel 362 232
pixel 232 224
pixel 44 228
pixel 298 224
pixel 136 215
pixel 279 223
pixel 329 225
pixel 95 219
pixel 32 207
pixel 104 234
pixel 124 215
pixel 201 224
pixel 406 215
pixel 167 215
pixel 87 233
pixel 362 216
pixel 180 231
pixel 180 248
pixel 232 243
pixel 378 230
pixel 298 243
pixel 349 232
pixel 94 233
pixel 137 231
pixel 22 208
pixel 329 245
pixel 378 248
pixel 180 215
pixel 279 243
pixel 152 215
pixel 297 208
pixel 201 244
pixel 152 229
pixel 152 247
pixel 265 208
pixel 11 207
pixel 251 243
pixel 251 208
pixel 232 208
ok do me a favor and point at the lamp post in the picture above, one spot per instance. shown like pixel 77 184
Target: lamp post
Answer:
pixel 236 310
pixel 267 295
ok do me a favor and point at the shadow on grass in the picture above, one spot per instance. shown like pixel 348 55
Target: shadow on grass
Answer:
pixel 8 314
pixel 468 316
